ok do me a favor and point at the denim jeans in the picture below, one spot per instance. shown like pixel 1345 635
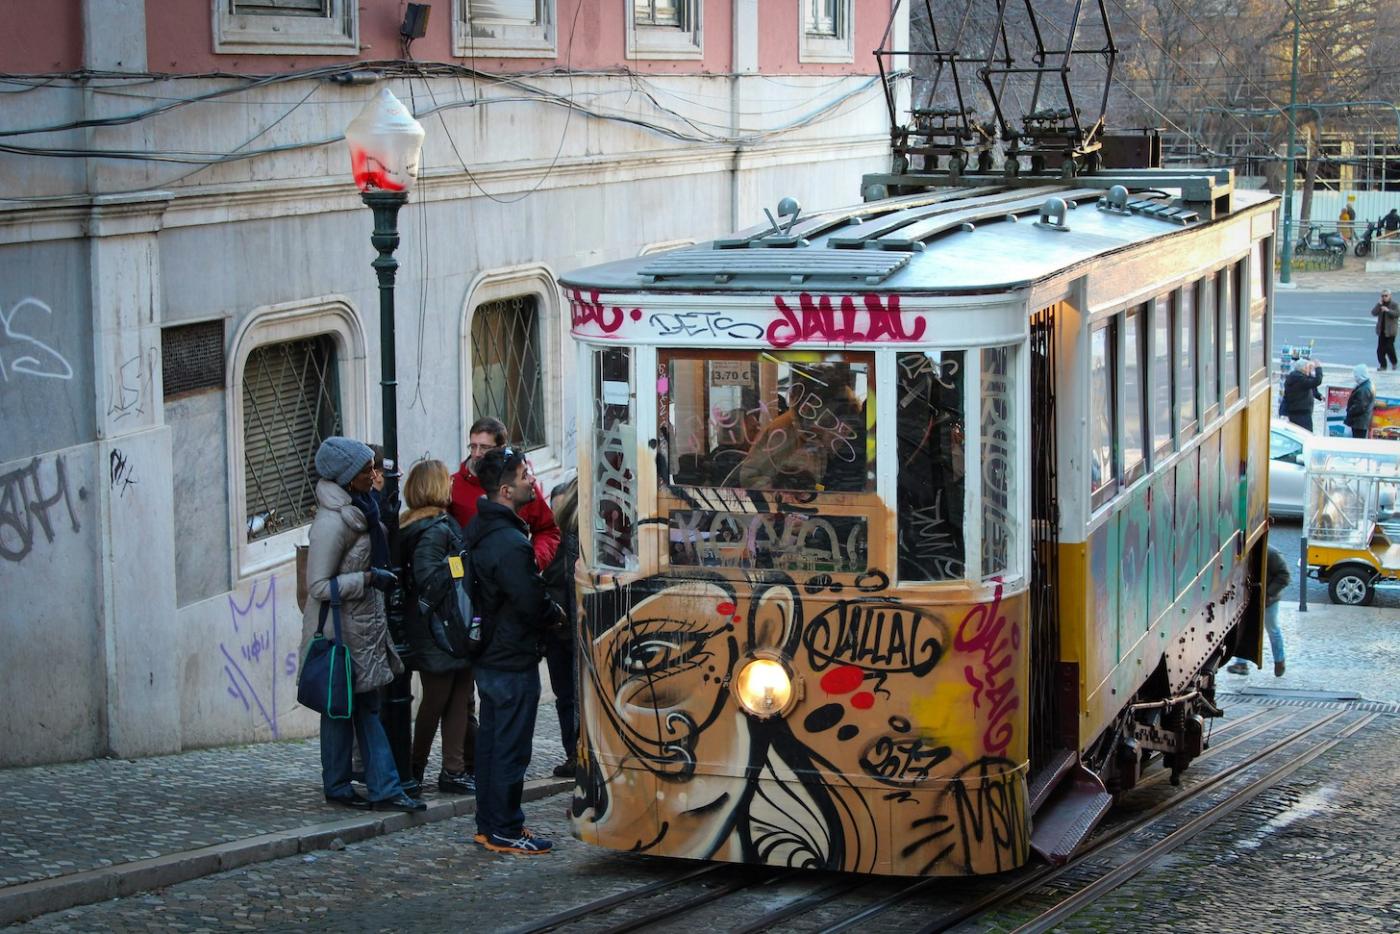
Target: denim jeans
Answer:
pixel 338 737
pixel 1275 633
pixel 509 700
pixel 559 656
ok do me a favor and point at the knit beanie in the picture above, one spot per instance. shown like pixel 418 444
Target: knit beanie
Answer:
pixel 1361 373
pixel 339 459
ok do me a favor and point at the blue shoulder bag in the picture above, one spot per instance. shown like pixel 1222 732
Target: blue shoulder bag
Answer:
pixel 327 683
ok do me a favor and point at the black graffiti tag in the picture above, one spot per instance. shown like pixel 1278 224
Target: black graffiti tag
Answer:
pixel 877 635
pixel 24 504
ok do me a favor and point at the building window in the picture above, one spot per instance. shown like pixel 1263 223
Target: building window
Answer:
pixel 504 28
pixel 826 31
pixel 506 368
pixel 291 403
pixel 1103 412
pixel 664 29
pixel 281 27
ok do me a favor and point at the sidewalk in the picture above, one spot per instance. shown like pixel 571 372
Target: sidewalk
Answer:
pixel 81 832
pixel 1352 277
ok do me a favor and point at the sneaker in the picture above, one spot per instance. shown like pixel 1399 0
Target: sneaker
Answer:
pixel 523 845
pixel 1278 668
pixel 566 769
pixel 462 783
pixel 1237 668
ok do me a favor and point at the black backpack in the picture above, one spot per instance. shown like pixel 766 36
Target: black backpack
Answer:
pixel 452 620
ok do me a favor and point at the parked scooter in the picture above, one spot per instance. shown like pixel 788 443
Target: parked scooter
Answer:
pixel 1319 242
pixel 1363 245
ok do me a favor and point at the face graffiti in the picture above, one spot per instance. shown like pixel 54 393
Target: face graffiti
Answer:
pixel 855 777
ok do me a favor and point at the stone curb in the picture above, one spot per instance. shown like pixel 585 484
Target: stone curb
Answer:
pixel 31 899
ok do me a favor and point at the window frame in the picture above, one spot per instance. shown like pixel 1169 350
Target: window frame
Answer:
pixel 555 366
pixel 1109 485
pixel 1208 397
pixel 1162 306
pixel 1138 354
pixel 510 41
pixel 1186 428
pixel 333 316
pixel 666 43
pixel 1233 277
pixel 821 49
pixel 266 34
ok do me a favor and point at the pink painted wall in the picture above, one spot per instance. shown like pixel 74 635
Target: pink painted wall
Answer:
pixel 778 38
pixel 43 37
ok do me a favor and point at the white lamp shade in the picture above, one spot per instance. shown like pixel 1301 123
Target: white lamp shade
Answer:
pixel 385 142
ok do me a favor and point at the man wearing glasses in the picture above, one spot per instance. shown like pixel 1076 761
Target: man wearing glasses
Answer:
pixel 1387 315
pixel 516 614
pixel 486 434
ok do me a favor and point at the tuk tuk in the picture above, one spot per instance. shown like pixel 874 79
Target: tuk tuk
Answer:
pixel 1350 522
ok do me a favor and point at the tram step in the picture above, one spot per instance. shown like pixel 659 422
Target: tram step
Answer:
pixel 1048 778
pixel 1075 808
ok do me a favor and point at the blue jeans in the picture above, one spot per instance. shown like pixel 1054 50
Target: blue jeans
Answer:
pixel 1275 633
pixel 338 738
pixel 559 656
pixel 504 739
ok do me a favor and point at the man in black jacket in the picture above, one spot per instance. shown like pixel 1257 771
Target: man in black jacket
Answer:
pixel 516 614
pixel 1300 391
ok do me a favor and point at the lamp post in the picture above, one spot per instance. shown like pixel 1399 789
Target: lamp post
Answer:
pixel 385 142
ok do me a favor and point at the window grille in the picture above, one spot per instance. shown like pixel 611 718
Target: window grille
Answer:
pixel 291 402
pixel 506 379
pixel 282 7
pixel 824 18
pixel 660 13
pixel 192 357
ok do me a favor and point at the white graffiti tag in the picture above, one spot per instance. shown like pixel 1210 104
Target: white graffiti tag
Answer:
pixel 21 353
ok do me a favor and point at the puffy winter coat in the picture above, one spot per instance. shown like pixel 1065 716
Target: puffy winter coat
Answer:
pixel 426 538
pixel 1360 405
pixel 340 548
pixel 1276 577
pixel 512 599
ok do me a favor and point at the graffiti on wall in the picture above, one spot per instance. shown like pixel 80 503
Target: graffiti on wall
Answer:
pixel 35 504
pixel 252 668
pixel 21 353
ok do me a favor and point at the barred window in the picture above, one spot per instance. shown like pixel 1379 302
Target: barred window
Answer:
pixel 291 402
pixel 506 378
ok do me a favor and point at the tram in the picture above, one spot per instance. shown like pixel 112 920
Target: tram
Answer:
pixel 913 531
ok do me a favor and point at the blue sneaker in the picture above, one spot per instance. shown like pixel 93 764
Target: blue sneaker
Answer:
pixel 527 844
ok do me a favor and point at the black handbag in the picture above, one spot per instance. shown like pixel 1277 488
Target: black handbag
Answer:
pixel 452 621
pixel 327 683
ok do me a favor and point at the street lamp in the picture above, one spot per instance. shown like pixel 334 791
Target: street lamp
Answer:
pixel 385 142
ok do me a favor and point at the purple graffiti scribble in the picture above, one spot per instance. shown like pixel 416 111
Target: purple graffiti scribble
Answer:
pixel 259 644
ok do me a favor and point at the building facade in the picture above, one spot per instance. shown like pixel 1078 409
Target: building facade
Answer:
pixel 187 307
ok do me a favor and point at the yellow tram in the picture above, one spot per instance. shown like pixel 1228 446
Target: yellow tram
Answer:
pixel 913 530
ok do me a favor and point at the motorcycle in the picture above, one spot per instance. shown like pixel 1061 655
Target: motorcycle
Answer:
pixel 1319 242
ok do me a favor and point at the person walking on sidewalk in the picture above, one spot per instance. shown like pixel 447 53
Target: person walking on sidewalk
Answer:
pixel 1361 404
pixel 559 646
pixel 1276 577
pixel 1300 391
pixel 1387 315
pixel 427 536
pixel 516 614
pixel 344 538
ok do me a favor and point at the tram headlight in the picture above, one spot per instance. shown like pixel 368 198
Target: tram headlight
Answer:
pixel 765 687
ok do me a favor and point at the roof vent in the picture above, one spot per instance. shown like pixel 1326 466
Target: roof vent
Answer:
pixel 1052 215
pixel 1116 201
pixel 789 208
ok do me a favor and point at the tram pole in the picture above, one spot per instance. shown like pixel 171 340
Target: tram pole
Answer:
pixel 1286 273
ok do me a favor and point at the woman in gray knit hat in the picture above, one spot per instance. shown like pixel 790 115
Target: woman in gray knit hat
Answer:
pixel 343 539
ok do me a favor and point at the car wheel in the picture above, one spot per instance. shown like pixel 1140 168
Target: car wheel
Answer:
pixel 1351 587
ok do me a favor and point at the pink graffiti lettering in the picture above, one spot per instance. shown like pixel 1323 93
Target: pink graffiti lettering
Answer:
pixel 584 311
pixel 984 630
pixel 819 320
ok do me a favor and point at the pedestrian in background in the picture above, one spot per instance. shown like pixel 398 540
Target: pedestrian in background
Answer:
pixel 345 537
pixel 427 536
pixel 1276 577
pixel 1361 404
pixel 1300 392
pixel 488 434
pixel 559 645
pixel 1347 219
pixel 1387 315
pixel 516 614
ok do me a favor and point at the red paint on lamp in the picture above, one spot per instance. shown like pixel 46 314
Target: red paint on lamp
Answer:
pixel 842 680
pixel 370 174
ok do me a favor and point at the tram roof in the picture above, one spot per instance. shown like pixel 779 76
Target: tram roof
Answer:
pixel 947 239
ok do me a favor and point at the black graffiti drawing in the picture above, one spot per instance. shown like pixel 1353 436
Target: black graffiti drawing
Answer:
pixel 986 801
pixel 902 758
pixel 120 472
pixel 24 504
pixel 131 385
pixel 703 324
pixel 791 541
pixel 930 546
pixel 878 635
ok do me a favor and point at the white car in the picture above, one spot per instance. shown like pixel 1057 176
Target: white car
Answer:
pixel 1288 446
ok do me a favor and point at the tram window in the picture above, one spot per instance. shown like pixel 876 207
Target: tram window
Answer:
pixel 1186 363
pixel 614 514
pixel 1229 303
pixel 1162 377
pixel 1134 457
pixel 998 450
pixel 1256 366
pixel 1103 416
pixel 779 420
pixel 1256 272
pixel 932 465
pixel 1210 348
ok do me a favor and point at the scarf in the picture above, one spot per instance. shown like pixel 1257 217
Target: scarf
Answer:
pixel 378 540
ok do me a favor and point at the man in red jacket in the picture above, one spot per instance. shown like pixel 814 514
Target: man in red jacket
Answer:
pixel 486 434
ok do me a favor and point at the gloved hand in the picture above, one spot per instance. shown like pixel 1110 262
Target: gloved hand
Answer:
pixel 380 579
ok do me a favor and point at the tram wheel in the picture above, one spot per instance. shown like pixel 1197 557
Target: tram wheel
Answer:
pixel 1351 587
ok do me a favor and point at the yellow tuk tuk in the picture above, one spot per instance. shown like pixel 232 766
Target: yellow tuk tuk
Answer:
pixel 1350 523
